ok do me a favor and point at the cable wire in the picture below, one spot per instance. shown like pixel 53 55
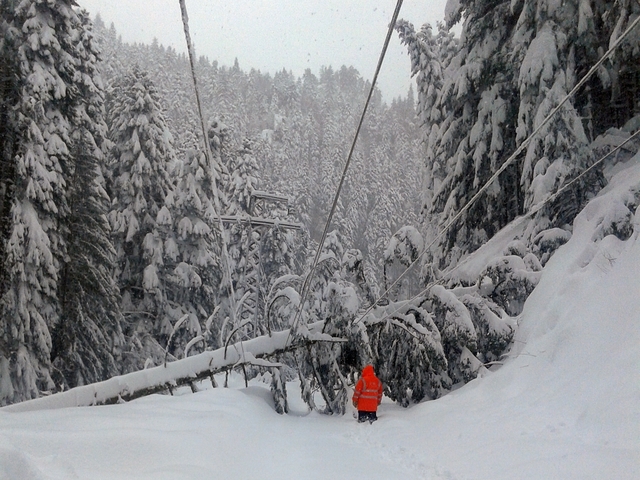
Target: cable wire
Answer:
pixel 209 157
pixel 510 160
pixel 307 281
pixel 535 209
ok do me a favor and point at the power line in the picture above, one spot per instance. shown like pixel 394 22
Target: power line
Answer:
pixel 535 209
pixel 510 160
pixel 307 282
pixel 207 151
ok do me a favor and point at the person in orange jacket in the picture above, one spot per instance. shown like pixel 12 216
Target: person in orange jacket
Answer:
pixel 367 395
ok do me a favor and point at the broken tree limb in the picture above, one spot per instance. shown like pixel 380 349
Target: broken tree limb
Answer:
pixel 175 374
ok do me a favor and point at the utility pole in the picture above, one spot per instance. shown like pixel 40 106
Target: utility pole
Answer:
pixel 261 206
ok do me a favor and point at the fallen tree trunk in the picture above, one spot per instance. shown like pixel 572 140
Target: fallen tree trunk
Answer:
pixel 175 374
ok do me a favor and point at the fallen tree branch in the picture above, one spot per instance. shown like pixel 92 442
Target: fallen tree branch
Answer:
pixel 175 374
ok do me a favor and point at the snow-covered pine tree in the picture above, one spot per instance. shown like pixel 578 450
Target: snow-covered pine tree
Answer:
pixel 140 160
pixel 34 139
pixel 243 179
pixel 227 200
pixel 51 109
pixel 403 249
pixel 191 249
pixel 9 94
pixel 228 99
pixel 510 279
pixel 279 253
pixel 427 66
pixel 459 337
pixel 475 131
pixel 619 99
pixel 423 345
pixel 429 57
pixel 354 272
pixel 407 352
pixel 553 51
pixel 110 46
pixel 223 154
pixel 88 337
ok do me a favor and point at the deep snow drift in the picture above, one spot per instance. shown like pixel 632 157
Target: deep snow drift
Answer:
pixel 566 403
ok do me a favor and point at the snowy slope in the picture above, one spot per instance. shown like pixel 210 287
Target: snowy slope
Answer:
pixel 565 405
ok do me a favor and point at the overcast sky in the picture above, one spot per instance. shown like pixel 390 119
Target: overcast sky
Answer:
pixel 273 34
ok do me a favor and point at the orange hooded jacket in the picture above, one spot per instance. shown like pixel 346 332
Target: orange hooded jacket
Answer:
pixel 368 393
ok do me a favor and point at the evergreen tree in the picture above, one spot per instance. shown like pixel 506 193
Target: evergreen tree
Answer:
pixel 52 202
pixel 35 142
pixel 140 161
pixel 407 353
pixel 223 156
pixel 243 180
pixel 429 56
pixel 404 248
pixel 191 248
pixel 552 51
pixel 268 255
pixel 88 337
pixel 9 94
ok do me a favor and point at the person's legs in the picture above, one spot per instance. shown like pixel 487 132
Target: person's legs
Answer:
pixel 366 416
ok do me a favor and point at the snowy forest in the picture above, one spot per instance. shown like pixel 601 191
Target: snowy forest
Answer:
pixel 125 246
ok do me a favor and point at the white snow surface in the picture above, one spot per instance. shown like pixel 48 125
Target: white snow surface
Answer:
pixel 565 404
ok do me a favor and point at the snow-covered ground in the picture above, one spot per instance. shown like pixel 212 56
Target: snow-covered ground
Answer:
pixel 565 405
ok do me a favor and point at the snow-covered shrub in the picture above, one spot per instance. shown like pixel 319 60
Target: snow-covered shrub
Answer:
pixel 532 263
pixel 470 366
pixel 451 317
pixel 493 327
pixel 456 329
pixel 516 247
pixel 618 220
pixel 408 353
pixel 548 241
pixel 333 245
pixel 508 282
